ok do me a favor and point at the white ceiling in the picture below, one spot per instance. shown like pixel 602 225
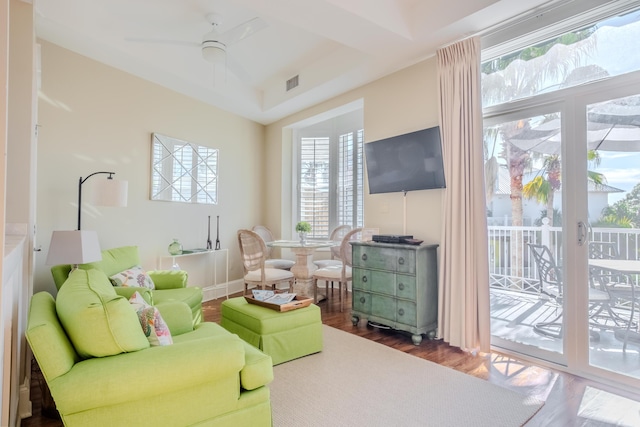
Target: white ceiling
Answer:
pixel 333 45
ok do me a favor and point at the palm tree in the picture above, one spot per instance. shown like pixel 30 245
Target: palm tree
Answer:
pixel 544 185
pixel 522 74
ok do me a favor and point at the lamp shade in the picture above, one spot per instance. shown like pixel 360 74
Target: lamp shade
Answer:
pixel 110 192
pixel 213 51
pixel 74 247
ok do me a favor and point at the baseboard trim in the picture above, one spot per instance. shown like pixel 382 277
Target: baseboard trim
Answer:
pixel 220 291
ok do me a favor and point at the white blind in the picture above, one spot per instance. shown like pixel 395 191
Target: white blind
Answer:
pixel 314 184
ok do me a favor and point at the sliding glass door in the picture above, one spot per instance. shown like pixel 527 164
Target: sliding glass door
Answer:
pixel 612 143
pixel 562 145
pixel 524 206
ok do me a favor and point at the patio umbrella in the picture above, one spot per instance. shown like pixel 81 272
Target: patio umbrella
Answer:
pixel 611 126
pixel 622 111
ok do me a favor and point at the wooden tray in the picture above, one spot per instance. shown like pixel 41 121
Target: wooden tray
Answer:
pixel 298 302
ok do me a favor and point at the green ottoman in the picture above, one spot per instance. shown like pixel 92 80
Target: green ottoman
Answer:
pixel 283 336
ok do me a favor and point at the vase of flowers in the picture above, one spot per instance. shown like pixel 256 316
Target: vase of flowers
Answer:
pixel 303 228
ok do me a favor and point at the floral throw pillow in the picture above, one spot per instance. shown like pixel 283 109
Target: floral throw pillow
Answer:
pixel 133 277
pixel 153 326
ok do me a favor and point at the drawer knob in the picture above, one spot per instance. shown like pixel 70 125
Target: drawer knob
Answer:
pixel 364 257
pixel 364 279
pixel 362 300
pixel 401 312
pixel 401 261
pixel 401 286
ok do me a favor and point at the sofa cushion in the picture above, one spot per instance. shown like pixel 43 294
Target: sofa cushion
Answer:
pixel 168 279
pixel 134 276
pixel 190 296
pixel 258 366
pixel 115 260
pixel 153 325
pixel 98 321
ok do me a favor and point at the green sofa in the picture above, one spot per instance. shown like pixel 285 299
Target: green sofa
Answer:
pixel 170 285
pixel 206 377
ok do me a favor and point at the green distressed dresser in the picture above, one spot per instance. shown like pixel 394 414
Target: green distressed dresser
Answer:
pixel 396 286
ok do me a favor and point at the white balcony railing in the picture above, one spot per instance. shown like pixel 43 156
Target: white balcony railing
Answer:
pixel 511 264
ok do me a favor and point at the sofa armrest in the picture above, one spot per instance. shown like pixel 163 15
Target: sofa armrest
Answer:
pixel 127 291
pixel 169 279
pixel 177 315
pixel 108 381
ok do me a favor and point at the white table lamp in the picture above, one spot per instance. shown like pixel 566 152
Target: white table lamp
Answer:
pixel 74 247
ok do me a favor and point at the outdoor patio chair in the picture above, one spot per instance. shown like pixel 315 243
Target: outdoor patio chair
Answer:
pixel 550 280
pixel 624 305
pixel 603 250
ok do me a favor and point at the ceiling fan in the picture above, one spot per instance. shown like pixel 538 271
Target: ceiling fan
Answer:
pixel 214 44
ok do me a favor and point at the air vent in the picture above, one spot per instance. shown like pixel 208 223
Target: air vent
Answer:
pixel 292 83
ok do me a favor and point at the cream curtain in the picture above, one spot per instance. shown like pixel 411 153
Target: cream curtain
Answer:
pixel 463 300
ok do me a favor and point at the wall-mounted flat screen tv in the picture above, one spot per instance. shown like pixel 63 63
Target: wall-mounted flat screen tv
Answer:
pixel 412 161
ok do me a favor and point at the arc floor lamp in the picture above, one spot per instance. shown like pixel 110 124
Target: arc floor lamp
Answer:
pixel 81 246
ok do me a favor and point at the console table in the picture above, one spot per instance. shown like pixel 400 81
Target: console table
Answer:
pixel 396 285
pixel 202 267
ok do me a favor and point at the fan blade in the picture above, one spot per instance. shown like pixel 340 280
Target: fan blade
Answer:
pixel 237 70
pixel 242 31
pixel 163 41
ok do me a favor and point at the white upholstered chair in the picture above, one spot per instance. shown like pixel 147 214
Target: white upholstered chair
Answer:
pixel 338 273
pixel 267 236
pixel 256 274
pixel 336 236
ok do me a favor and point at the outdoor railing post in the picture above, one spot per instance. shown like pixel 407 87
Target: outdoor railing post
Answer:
pixel 545 235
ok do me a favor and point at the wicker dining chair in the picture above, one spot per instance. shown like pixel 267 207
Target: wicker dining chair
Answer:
pixel 267 236
pixel 256 273
pixel 338 273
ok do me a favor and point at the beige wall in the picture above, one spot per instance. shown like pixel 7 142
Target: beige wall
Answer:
pixel 402 102
pixel 96 118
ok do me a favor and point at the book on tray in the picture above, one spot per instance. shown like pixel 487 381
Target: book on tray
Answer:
pixel 272 297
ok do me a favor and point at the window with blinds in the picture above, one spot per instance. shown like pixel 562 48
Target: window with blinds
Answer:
pixel 330 182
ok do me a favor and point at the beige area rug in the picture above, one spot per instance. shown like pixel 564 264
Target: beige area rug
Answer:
pixel 599 406
pixel 357 382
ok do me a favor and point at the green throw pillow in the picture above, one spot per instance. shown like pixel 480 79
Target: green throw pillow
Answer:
pixel 98 321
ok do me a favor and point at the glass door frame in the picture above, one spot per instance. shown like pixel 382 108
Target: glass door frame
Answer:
pixel 613 88
pixel 524 110
pixel 571 103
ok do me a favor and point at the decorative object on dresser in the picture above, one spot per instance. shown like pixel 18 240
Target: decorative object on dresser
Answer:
pixel 396 285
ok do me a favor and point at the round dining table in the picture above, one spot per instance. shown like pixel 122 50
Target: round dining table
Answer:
pixel 304 267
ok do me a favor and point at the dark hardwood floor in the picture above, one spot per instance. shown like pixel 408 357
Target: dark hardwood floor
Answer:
pixel 561 392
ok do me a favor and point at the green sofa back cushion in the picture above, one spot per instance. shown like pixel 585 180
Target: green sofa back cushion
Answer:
pixel 115 260
pixel 98 321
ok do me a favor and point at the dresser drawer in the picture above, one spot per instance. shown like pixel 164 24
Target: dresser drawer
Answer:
pixel 360 279
pixel 383 307
pixel 389 259
pixel 361 301
pixel 406 287
pixel 406 312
